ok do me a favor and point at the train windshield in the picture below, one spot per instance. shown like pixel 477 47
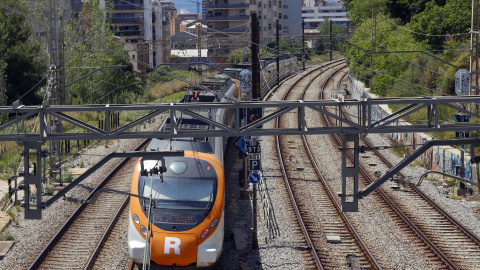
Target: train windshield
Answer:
pixel 179 192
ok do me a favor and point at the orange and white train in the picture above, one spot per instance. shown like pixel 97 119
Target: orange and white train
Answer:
pixel 187 218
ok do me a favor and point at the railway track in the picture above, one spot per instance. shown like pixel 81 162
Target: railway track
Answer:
pixel 78 242
pixel 319 214
pixel 445 241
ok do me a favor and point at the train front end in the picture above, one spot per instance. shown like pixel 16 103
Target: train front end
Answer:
pixel 186 217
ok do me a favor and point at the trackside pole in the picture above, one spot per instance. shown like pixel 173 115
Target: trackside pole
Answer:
pixel 33 182
pixel 350 174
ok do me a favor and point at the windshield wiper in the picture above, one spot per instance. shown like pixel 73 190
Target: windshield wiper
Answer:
pixel 205 211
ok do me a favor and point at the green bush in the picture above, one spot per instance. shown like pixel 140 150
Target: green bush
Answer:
pixel 67 176
pixel 450 182
pixel 49 190
pixel 6 236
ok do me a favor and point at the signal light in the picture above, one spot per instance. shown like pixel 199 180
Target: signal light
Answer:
pixel 254 114
pixel 204 233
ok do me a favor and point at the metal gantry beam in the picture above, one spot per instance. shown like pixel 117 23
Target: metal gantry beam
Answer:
pixel 32 141
pixel 366 124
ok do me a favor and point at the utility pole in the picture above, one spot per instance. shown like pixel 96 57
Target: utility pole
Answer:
pixel 331 41
pixel 199 46
pixel 303 43
pixel 256 94
pixel 278 53
pixel 143 53
pixel 56 16
pixel 3 88
pixel 474 53
pixel 374 33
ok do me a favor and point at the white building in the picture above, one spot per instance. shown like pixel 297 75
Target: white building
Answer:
pixel 314 15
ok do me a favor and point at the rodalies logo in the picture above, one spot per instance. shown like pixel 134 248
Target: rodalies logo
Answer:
pixel 172 242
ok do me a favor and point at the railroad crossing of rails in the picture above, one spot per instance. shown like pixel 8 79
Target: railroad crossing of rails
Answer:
pixel 351 132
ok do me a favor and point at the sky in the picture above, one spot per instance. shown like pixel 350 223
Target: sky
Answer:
pixel 188 5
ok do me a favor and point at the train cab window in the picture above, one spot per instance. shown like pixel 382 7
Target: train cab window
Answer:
pixel 180 202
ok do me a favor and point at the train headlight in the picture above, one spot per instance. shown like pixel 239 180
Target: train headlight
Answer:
pixel 214 223
pixel 143 230
pixel 178 167
pixel 136 219
pixel 204 233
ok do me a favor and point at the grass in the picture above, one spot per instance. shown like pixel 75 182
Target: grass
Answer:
pixel 11 214
pixel 7 236
pixel 67 176
pixel 455 197
pixel 161 90
pixel 49 190
pixel 450 182
pixel 398 149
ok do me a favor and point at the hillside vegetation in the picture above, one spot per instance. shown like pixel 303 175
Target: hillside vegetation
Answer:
pixel 438 28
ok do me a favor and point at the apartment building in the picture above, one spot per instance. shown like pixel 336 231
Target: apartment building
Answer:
pixel 167 14
pixel 133 20
pixel 292 18
pixel 314 12
pixel 232 17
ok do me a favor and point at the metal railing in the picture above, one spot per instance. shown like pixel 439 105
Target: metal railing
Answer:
pixel 126 7
pixel 228 30
pixel 229 18
pixel 227 6
pixel 127 20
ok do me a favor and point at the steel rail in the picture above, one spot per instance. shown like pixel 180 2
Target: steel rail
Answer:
pixel 436 250
pixel 296 209
pixel 43 254
pixel 330 193
pixel 437 207
pixel 107 232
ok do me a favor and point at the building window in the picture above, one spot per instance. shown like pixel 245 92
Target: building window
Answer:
pixel 133 56
pixel 279 15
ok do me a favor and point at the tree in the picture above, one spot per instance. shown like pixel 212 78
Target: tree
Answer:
pixel 84 55
pixel 361 10
pixel 23 64
pixel 437 20
pixel 323 43
pixel 380 69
